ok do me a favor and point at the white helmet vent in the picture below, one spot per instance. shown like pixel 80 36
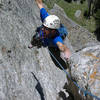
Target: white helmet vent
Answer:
pixel 52 22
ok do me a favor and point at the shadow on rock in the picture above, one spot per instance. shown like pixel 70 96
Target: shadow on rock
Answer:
pixel 36 42
pixel 64 97
pixel 56 53
pixel 72 92
pixel 39 88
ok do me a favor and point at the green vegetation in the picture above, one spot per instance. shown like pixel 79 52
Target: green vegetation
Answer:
pixel 71 8
pixel 50 3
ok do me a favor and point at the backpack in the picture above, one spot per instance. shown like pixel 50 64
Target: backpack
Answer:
pixel 62 31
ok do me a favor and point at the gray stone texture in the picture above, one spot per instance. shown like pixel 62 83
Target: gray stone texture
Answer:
pixel 85 59
pixel 31 74
pixel 25 74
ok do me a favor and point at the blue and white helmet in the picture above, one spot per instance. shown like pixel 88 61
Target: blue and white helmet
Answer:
pixel 52 22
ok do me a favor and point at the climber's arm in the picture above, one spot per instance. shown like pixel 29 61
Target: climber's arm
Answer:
pixel 63 48
pixel 39 3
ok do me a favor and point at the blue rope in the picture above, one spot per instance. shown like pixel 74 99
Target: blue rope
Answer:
pixel 81 89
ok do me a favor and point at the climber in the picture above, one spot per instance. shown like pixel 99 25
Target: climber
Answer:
pixel 50 24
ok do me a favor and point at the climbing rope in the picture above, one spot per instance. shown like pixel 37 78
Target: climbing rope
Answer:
pixel 85 92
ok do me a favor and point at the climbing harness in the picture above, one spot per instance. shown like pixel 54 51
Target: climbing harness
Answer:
pixel 85 92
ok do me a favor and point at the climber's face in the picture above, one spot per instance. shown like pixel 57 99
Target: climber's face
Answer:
pixel 46 30
pixel 49 32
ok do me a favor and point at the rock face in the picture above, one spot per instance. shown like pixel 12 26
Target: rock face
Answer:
pixel 32 74
pixel 81 35
pixel 85 69
pixel 77 13
pixel 25 74
pixel 85 61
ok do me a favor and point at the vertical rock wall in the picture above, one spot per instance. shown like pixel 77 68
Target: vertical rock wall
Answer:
pixel 25 74
pixel 85 60
pixel 32 74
